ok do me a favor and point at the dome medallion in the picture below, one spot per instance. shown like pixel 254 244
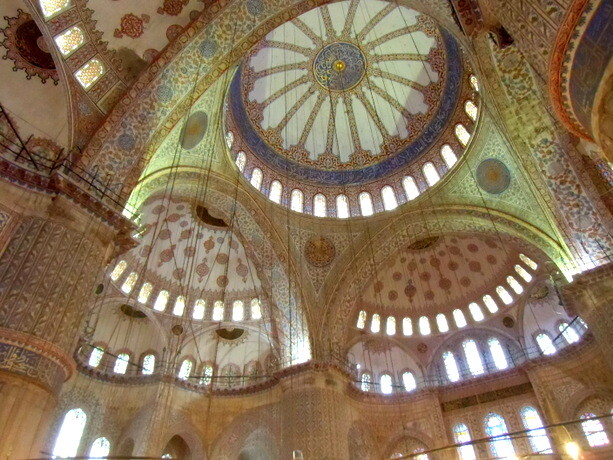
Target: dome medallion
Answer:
pixel 339 66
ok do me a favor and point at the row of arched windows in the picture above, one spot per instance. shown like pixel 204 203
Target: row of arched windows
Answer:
pixel 386 382
pixel 120 366
pixel 473 357
pixel 69 437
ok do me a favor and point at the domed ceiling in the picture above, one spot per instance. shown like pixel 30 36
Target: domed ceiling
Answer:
pixel 347 94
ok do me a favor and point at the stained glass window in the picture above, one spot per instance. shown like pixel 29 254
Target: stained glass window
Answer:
pixel 459 318
pixel 319 205
pixel 52 7
pixel 389 198
pixel 515 285
pixel 297 201
pixel 471 110
pixel 342 207
pixel 390 326
pixel 475 311
pixel 545 344
pixel 451 366
pixel 100 448
pixel 498 355
pixel 424 325
pixel 276 189
pixel 410 187
pixel 179 306
pixel 121 363
pixel 420 456
pixel 256 309
pixel 537 435
pixel 462 134
pixel 449 156
pixel 523 273
pixel 199 308
pixel 95 357
pixel 473 357
pixel 386 384
pixel 229 139
pixel 148 364
pixel 407 327
pixel 256 178
pixel 161 301
pixel 186 369
pixel 501 447
pixel 238 310
pixel 430 173
pixel 504 295
pixel 118 270
pixel 218 311
pixel 69 437
pixel 408 380
pixel 365 381
pixel 474 82
pixel 207 375
pixel 90 72
pixel 129 283
pixel 70 40
pixel 528 261
pixel 594 431
pixel 145 292
pixel 361 324
pixel 569 334
pixel 366 207
pixel 441 322
pixel 462 435
pixel 241 161
pixel 375 323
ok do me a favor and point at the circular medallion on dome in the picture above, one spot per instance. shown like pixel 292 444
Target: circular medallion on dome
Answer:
pixel 339 66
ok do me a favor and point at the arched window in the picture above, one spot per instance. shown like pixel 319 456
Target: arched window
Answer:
pixel 365 381
pixel 569 334
pixel 320 208
pixel 424 326
pixel 390 326
pixel 451 366
pixel 498 355
pixel 229 139
pixel 179 306
pixel 407 327
pixel 545 344
pixel 501 447
pixel 342 207
pixel 410 188
pixel 366 207
pixel 420 456
pixel 148 364
pixel 256 178
pixel 238 310
pixel 145 292
pixel 69 437
pixel 515 285
pixel 161 301
pixel 297 201
pixel 523 273
pixel 53 7
pixel 276 189
pixel 199 308
pixel 473 357
pixel 449 156
pixel 90 73
pixel 129 283
pixel 389 198
pixel 475 311
pixel 594 431
pixel 386 384
pixel 461 436
pixel 256 309
pixel 218 311
pixel 375 323
pixel 462 134
pixel 241 161
pixel 537 435
pixel 207 375
pixel 474 82
pixel 96 356
pixel 408 380
pixel 118 270
pixel 70 40
pixel 121 363
pixel 441 322
pixel 430 173
pixel 361 320
pixel 459 318
pixel 528 261
pixel 471 110
pixel 100 448
pixel 490 303
pixel 504 295
pixel 186 369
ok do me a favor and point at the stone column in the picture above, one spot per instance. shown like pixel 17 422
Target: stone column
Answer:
pixel 52 253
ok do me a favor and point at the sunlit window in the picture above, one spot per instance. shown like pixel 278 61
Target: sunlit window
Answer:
pixel 473 357
pixel 390 326
pixel 375 323
pixel 504 295
pixel 218 311
pixel 386 384
pixel 366 207
pixel 475 311
pixel 545 344
pixel 161 301
pixel 365 381
pixel 537 435
pixel 361 324
pixel 70 40
pixel 145 292
pixel 459 318
pixel 148 364
pixel 407 327
pixel 256 178
pixel 461 436
pixel 449 156
pixel 430 173
pixel 410 187
pixel 462 134
pixel 474 82
pixel 199 307
pixel 528 261
pixel 69 437
pixel 408 380
pixel 297 201
pixel 238 310
pixel 420 456
pixel 568 332
pixel 118 270
pixel 498 354
pixel 451 366
pixel 389 198
pixel 207 375
pixel 121 363
pixel 471 110
pixel 501 447
pixel 515 285
pixel 424 325
pixel 523 273
pixel 594 431
pixel 90 73
pixel 186 369
pixel 179 307
pixel 320 208
pixel 53 7
pixel 256 309
pixel 490 303
pixel 100 448
pixel 276 189
pixel 241 161
pixel 129 283
pixel 342 207
pixel 229 139
pixel 441 323
pixel 96 356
